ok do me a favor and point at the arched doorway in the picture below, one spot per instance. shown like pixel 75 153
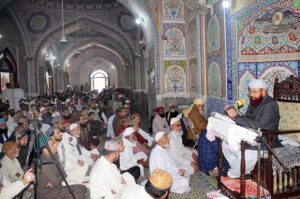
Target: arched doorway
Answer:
pixel 49 80
pixel 8 69
pixel 99 80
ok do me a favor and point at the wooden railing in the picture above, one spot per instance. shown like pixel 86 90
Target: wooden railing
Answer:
pixel 283 185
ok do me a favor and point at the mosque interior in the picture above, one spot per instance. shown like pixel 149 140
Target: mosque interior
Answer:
pixel 167 50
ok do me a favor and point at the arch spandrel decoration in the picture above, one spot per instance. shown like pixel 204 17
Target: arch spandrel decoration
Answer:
pixel 7 62
pixel 8 65
pixel 106 32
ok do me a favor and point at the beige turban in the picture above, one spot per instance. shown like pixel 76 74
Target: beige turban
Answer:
pixel 199 101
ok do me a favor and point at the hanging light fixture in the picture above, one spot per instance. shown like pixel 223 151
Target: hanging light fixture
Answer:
pixel 63 37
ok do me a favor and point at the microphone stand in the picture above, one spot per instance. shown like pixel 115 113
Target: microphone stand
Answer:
pixel 260 140
pixel 35 135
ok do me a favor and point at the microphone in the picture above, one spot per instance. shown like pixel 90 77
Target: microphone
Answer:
pixel 240 103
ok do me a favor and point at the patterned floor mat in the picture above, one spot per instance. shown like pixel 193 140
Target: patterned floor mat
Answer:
pixel 200 184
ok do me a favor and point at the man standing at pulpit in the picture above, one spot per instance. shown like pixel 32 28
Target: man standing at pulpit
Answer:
pixel 263 113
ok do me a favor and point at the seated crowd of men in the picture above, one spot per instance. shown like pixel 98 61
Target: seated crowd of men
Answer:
pixel 69 127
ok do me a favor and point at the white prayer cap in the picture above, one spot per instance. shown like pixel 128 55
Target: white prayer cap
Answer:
pixel 199 101
pixel 68 100
pixel 73 126
pixel 111 145
pixel 257 83
pixel 174 120
pixel 128 131
pixel 42 109
pixel 127 101
pixel 159 135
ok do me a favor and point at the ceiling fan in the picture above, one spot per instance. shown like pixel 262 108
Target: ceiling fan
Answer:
pixel 199 7
pixel 278 24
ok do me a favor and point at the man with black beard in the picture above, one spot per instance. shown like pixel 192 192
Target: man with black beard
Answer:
pixel 263 113
pixel 159 122
pixel 106 181
pixel 22 142
pixel 54 133
pixel 121 113
pixel 58 122
pixel 85 135
pixel 94 108
pixel 171 113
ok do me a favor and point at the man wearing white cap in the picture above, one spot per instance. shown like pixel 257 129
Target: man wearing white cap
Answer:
pixel 184 157
pixel 160 158
pixel 128 160
pixel 263 113
pixel 74 157
pixel 106 180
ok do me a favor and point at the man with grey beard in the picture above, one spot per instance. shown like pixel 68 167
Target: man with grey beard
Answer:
pixel 160 158
pixel 184 157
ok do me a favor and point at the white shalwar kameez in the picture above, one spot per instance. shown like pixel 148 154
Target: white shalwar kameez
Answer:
pixel 181 154
pixel 69 157
pixel 105 177
pixel 161 159
pixel 234 160
pixel 128 159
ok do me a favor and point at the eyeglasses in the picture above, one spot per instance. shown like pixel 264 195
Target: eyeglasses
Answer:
pixel 254 91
